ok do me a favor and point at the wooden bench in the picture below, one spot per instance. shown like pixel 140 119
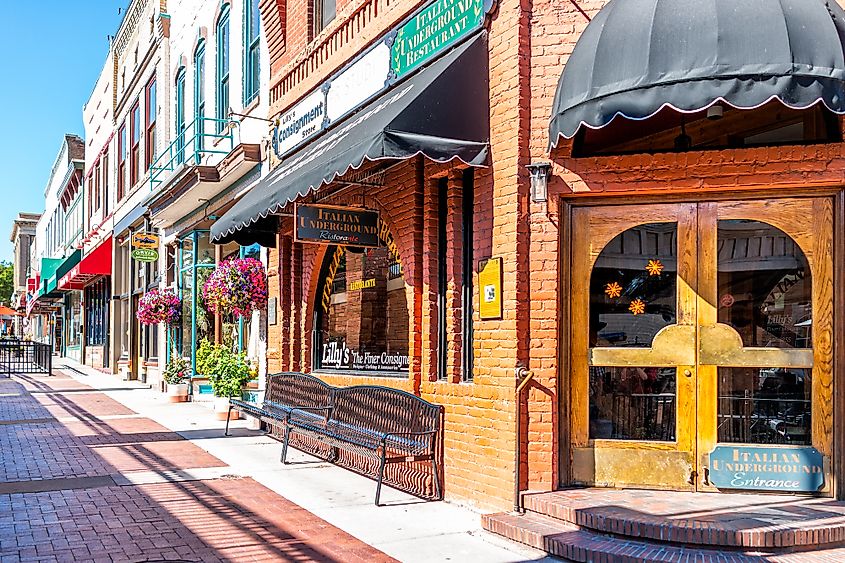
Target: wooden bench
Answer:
pixel 285 392
pixel 388 424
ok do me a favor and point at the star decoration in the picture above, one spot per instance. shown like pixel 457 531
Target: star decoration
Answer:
pixel 637 307
pixel 654 267
pixel 613 290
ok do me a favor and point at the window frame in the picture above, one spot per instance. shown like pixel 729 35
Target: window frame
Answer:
pixel 199 94
pixel 252 55
pixel 134 143
pixel 150 93
pixel 122 151
pixel 179 114
pixel 222 67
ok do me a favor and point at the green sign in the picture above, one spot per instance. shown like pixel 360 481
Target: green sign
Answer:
pixel 432 30
pixel 762 468
pixel 145 254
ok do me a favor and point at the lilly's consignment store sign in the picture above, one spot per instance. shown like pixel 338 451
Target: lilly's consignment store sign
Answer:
pixel 767 469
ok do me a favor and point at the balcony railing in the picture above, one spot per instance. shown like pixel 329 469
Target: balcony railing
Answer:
pixel 203 136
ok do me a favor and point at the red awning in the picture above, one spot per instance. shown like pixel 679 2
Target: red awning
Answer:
pixel 93 265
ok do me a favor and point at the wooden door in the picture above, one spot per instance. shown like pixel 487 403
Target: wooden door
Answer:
pixel 696 325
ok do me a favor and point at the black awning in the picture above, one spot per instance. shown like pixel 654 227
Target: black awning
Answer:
pixel 442 112
pixel 638 56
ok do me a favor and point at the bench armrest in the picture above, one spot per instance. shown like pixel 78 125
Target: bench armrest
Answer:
pixel 423 433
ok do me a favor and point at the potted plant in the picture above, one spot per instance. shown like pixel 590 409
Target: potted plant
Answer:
pixel 158 306
pixel 237 287
pixel 227 379
pixel 175 375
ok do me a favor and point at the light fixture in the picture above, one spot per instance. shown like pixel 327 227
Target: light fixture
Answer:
pixel 539 174
pixel 715 112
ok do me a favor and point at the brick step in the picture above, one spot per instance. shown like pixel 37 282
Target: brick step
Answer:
pixel 758 525
pixel 571 542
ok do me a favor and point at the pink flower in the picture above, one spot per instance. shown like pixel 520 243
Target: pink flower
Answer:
pixel 158 306
pixel 236 286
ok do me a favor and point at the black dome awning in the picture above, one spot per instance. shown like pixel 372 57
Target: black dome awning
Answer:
pixel 639 56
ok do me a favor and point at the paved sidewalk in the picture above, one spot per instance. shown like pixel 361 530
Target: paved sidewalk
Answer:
pixel 83 477
pixel 168 454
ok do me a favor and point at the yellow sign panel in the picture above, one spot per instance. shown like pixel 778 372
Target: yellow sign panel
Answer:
pixel 490 289
pixel 145 240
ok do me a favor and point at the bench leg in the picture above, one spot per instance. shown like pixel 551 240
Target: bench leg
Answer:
pixel 228 416
pixel 285 444
pixel 438 486
pixel 380 474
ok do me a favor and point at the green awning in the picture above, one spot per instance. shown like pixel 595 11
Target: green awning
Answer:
pixel 62 267
pixel 48 268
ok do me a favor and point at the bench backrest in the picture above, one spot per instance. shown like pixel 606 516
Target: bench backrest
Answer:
pixel 298 390
pixel 382 409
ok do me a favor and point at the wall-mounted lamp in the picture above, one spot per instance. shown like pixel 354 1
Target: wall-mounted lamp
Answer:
pixel 539 174
pixel 716 111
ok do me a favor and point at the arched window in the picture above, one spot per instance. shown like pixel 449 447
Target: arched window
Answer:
pixel 222 76
pixel 180 116
pixel 199 95
pixel 362 311
pixel 252 23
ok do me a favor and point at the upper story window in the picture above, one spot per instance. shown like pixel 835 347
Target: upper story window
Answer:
pixel 105 183
pixel 252 22
pixel 150 141
pixel 180 116
pixel 322 15
pixel 135 148
pixel 222 78
pixel 121 162
pixel 199 92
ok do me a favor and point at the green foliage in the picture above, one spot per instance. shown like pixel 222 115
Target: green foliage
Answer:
pixel 227 371
pixel 7 282
pixel 177 370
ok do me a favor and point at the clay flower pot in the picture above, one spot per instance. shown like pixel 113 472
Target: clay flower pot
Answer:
pixel 177 392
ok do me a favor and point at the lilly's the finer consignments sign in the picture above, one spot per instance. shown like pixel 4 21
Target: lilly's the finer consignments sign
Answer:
pixel 329 224
pixel 760 468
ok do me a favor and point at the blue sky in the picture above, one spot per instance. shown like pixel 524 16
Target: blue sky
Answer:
pixel 50 55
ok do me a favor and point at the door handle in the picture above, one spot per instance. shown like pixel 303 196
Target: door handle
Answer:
pixel 688 372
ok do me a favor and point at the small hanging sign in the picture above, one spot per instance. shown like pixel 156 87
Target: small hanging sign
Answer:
pixel 145 240
pixel 145 254
pixel 330 224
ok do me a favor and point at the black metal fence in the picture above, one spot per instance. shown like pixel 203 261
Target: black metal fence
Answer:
pixel 22 356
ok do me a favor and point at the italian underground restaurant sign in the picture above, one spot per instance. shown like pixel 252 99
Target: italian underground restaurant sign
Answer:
pixel 758 468
pixel 329 224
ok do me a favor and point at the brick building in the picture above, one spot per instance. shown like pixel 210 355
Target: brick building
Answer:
pixel 661 287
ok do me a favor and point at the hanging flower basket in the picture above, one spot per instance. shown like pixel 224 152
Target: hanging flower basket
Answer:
pixel 159 306
pixel 236 287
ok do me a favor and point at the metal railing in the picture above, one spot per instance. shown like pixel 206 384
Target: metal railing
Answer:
pixel 202 136
pixel 777 420
pixel 23 356
pixel 643 416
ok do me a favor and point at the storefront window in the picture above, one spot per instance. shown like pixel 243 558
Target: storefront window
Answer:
pixel 196 262
pixel 73 319
pixel 765 295
pixel 363 312
pixel 97 312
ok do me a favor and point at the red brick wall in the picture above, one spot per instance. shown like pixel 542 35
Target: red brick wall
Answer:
pixel 528 46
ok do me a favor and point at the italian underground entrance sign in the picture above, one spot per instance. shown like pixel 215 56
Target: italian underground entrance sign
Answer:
pixel 758 468
pixel 328 224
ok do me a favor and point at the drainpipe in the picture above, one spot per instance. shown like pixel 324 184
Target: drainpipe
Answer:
pixel 523 378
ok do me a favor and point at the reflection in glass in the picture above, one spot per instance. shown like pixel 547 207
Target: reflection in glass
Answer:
pixel 765 405
pixel 765 290
pixel 364 312
pixel 633 286
pixel 632 403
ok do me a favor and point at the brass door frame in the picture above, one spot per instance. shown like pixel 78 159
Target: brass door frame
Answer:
pixel 748 207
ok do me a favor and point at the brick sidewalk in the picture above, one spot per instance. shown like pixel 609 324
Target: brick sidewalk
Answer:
pixel 68 454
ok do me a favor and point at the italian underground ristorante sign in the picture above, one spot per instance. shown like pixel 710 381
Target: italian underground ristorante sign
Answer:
pixel 329 224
